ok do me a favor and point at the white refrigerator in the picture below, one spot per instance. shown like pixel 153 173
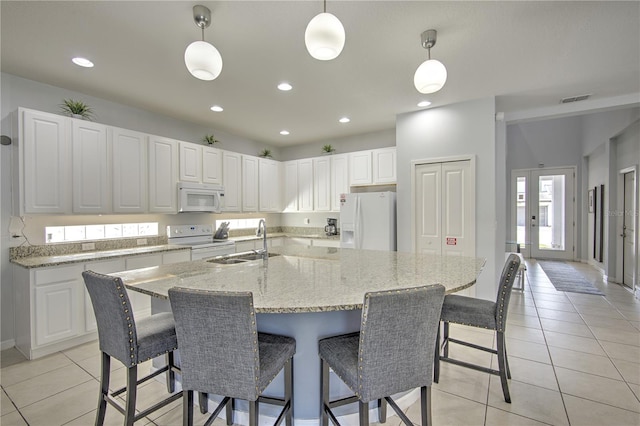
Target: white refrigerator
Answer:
pixel 368 221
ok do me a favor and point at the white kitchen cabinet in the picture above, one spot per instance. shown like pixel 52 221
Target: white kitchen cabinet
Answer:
pixel 269 184
pixel 242 246
pixel 190 162
pixel 249 183
pixel 291 186
pixel 232 181
pixel 101 267
pixel 91 186
pixel 211 165
pixel 176 256
pixel 129 150
pixel 45 172
pixel 360 168
pixel 322 184
pixel 384 165
pixel 305 185
pixel 339 179
pixel 163 175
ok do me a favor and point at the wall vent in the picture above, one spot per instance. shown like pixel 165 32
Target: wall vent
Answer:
pixel 575 98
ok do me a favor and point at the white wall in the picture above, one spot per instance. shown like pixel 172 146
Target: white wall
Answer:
pixel 460 129
pixel 599 127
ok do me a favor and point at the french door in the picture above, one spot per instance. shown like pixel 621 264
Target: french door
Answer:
pixel 542 218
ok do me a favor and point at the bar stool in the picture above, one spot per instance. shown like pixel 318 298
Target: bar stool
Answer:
pixel 393 352
pixel 222 353
pixel 483 314
pixel 131 342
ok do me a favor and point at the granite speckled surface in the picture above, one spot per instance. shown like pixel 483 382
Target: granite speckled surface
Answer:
pixel 310 279
pixel 67 259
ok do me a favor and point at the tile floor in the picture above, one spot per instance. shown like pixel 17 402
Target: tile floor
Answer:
pixel 575 359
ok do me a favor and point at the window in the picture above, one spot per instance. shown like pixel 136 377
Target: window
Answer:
pixel 66 234
pixel 240 223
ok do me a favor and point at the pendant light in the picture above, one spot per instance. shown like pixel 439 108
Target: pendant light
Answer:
pixel 324 36
pixel 431 74
pixel 201 58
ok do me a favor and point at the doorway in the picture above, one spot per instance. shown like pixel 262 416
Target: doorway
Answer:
pixel 628 234
pixel 543 213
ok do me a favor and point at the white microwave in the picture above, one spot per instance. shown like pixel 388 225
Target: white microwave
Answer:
pixel 199 197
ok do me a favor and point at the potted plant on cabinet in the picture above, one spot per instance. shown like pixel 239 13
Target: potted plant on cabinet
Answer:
pixel 76 109
pixel 265 153
pixel 210 139
pixel 328 149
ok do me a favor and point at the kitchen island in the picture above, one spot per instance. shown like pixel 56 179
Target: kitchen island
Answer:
pixel 308 293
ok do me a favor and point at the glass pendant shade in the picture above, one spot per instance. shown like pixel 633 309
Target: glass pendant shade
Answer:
pixel 430 76
pixel 203 60
pixel 324 37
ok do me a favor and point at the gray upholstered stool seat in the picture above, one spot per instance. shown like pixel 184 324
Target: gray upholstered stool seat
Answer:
pixel 483 314
pixel 392 353
pixel 130 342
pixel 222 353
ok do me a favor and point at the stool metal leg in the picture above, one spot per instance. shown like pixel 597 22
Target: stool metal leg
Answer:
pixel 425 405
pixel 382 410
pixel 288 390
pixel 436 357
pixel 363 410
pixel 231 407
pixel 502 366
pixel 104 389
pixel 187 408
pixel 132 390
pixel 254 413
pixel 171 375
pixel 445 340
pixel 324 392
pixel 203 402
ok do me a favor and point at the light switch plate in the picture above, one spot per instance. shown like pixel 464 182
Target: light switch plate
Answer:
pixel 88 246
pixel 142 241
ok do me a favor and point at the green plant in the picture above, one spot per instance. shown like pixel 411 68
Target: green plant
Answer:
pixel 71 107
pixel 328 149
pixel 210 139
pixel 266 153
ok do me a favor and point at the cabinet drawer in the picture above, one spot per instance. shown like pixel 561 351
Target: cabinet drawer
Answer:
pixel 58 274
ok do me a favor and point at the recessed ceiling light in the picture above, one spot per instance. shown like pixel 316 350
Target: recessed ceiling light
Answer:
pixel 344 120
pixel 83 62
pixel 424 104
pixel 217 108
pixel 284 132
pixel 285 87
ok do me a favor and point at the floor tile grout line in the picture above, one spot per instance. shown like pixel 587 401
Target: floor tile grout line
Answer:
pixel 16 407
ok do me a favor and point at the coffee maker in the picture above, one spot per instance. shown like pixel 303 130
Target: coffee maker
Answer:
pixel 332 227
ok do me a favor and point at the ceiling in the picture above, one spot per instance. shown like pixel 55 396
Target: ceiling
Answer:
pixel 527 54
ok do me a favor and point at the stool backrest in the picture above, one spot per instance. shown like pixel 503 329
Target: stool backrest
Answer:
pixel 218 341
pixel 114 316
pixel 397 340
pixel 507 278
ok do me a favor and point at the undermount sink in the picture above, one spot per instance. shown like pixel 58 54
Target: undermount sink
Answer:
pixel 239 258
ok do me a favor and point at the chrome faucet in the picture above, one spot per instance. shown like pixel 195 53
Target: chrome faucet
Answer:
pixel 262 231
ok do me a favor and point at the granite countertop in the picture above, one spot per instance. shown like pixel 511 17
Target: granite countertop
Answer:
pixel 65 259
pixel 310 279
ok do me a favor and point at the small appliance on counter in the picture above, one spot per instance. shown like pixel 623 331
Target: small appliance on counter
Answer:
pixel 222 233
pixel 332 227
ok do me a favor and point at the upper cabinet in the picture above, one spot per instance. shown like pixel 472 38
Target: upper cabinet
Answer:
pixel 163 175
pixel 291 186
pixel 322 184
pixel 90 168
pixel 339 179
pixel 202 164
pixel 305 185
pixel 374 167
pixel 232 180
pixel 129 151
pixel 269 184
pixel 45 172
pixel 249 183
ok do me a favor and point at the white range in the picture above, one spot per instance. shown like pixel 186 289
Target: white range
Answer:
pixel 200 239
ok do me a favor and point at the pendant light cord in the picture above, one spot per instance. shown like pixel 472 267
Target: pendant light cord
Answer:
pixel 325 6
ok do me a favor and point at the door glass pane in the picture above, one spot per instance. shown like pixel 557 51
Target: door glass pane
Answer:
pixel 551 212
pixel 521 209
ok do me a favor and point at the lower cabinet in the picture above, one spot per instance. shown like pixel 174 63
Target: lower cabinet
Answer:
pixel 53 310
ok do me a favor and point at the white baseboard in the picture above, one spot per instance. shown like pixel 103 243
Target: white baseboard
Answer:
pixel 7 344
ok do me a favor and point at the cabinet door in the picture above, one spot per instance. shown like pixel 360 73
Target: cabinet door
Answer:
pixel 190 162
pixel 384 165
pixel 45 174
pixel 249 183
pixel 104 267
pixel 90 168
pixel 163 175
pixel 322 184
pixel 305 185
pixel 339 179
pixel 269 185
pixel 57 312
pixel 129 171
pixel 232 178
pixel 360 168
pixel 211 165
pixel 291 186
